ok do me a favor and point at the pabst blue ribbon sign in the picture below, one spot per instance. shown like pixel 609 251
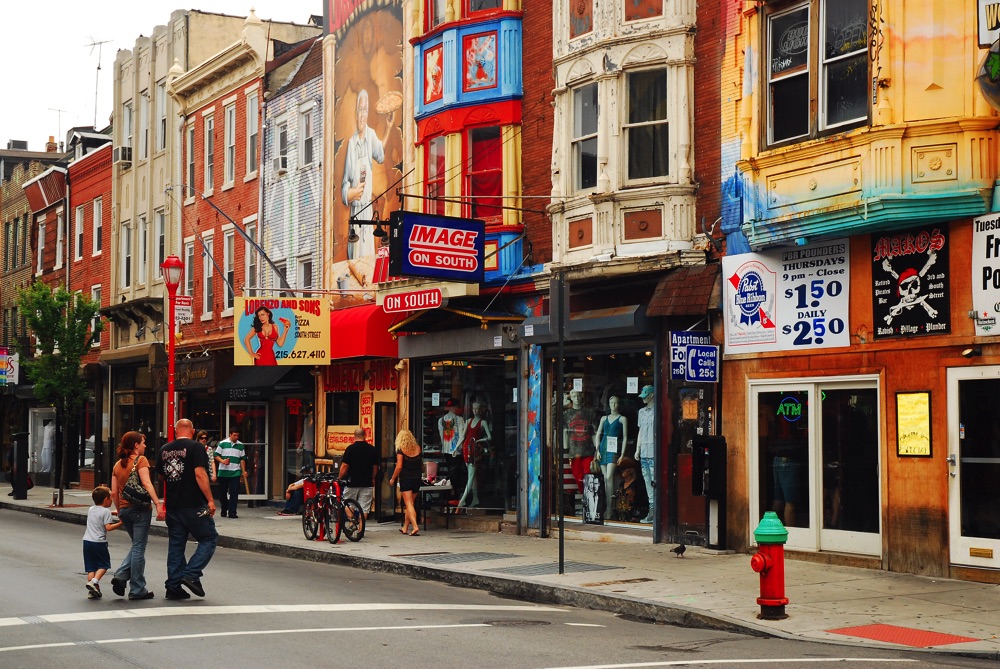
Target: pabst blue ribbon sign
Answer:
pixel 438 247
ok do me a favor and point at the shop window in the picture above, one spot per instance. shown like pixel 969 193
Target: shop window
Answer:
pixel 647 128
pixel 435 176
pixel 250 420
pixel 602 398
pixel 342 408
pixel 484 179
pixel 817 50
pixel 300 435
pixel 468 428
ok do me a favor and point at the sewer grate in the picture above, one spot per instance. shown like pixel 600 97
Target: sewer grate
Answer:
pixel 550 568
pixel 455 558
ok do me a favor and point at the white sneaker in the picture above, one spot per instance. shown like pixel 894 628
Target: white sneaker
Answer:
pixel 648 520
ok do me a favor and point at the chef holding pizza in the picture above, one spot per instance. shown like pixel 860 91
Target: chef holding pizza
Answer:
pixel 363 147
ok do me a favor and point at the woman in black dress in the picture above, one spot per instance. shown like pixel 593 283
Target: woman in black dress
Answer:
pixel 409 471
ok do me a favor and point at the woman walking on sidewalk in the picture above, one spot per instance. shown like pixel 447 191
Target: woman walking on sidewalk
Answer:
pixel 409 469
pixel 136 519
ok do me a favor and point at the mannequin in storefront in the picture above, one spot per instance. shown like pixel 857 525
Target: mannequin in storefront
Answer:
pixel 610 440
pixel 451 428
pixel 645 446
pixel 308 440
pixel 48 445
pixel 477 439
pixel 578 438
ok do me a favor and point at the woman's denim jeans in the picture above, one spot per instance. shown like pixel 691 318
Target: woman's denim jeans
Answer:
pixel 133 568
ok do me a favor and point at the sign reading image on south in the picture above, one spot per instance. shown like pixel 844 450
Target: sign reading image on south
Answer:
pixel 787 299
pixel 702 364
pixel 436 247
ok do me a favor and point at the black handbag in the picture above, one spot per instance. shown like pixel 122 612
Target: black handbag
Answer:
pixel 134 493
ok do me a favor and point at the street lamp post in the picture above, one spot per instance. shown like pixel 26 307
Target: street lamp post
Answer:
pixel 172 269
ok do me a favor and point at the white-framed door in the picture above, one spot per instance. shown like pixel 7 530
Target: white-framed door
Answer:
pixel 974 466
pixel 815 461
pixel 250 420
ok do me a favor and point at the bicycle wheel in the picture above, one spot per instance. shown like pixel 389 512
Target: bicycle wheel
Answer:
pixel 310 524
pixel 354 520
pixel 334 522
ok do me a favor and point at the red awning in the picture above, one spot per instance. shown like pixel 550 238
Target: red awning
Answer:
pixel 360 332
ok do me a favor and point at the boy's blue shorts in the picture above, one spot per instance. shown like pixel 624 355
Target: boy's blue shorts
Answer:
pixel 96 556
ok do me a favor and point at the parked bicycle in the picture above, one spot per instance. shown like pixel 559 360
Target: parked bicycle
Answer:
pixel 326 508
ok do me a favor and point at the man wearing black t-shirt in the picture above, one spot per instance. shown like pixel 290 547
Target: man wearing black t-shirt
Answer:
pixel 360 466
pixel 183 466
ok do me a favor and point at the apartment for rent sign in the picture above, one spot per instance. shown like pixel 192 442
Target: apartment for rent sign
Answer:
pixel 437 247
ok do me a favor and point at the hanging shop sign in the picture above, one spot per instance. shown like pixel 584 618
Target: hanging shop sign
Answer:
pixel 437 247
pixel 988 22
pixel 986 274
pixel 788 299
pixel 679 341
pixel 417 299
pixel 910 292
pixel 281 331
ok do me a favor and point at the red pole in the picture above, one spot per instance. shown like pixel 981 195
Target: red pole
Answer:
pixel 171 417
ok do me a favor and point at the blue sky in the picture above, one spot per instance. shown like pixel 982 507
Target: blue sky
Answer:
pixel 53 66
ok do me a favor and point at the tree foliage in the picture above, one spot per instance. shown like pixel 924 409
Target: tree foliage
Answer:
pixel 65 325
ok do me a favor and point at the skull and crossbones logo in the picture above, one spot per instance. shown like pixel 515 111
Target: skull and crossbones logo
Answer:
pixel 909 288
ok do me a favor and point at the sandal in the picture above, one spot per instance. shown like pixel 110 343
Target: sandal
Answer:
pixel 415 534
pixel 402 531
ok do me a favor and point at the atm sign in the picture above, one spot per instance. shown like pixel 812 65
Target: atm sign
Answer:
pixel 418 299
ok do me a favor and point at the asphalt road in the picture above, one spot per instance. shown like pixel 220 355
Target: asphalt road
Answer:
pixel 263 611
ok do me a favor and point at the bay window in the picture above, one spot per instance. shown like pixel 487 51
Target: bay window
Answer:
pixel 585 115
pixel 646 129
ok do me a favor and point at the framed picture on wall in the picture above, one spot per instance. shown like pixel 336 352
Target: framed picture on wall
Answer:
pixel 913 424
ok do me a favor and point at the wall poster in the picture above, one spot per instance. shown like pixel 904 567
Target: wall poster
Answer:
pixel 910 294
pixel 986 273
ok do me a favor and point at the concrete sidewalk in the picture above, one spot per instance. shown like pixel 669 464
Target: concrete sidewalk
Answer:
pixel 632 576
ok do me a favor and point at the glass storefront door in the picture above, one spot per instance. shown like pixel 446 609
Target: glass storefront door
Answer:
pixel 974 466
pixel 818 470
pixel 250 419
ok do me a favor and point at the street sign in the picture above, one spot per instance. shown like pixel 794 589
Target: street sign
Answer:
pixel 182 309
pixel 679 341
pixel 430 298
pixel 702 364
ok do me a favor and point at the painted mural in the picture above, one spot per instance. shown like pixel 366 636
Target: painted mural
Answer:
pixel 433 74
pixel 480 56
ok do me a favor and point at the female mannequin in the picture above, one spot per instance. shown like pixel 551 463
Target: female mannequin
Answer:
pixel 610 440
pixel 451 429
pixel 477 435
pixel 578 438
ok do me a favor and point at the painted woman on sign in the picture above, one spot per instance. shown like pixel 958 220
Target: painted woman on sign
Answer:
pixel 267 334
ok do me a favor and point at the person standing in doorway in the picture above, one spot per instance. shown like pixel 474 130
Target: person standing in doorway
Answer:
pixel 231 466
pixel 359 467
pixel 183 465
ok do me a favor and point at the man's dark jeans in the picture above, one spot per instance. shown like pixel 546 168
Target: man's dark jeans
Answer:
pixel 294 502
pixel 229 493
pixel 182 523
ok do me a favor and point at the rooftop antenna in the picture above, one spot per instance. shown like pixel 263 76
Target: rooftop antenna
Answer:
pixel 97 77
pixel 59 113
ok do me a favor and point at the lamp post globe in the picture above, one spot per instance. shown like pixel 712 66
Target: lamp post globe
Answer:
pixel 172 269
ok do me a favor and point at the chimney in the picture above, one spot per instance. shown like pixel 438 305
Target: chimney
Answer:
pixel 51 146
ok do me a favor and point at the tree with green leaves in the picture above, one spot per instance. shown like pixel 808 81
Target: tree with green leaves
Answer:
pixel 65 325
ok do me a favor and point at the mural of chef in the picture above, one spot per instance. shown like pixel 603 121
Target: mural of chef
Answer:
pixel 363 148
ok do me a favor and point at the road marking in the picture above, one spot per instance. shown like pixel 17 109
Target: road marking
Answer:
pixel 215 635
pixel 583 625
pixel 694 663
pixel 159 612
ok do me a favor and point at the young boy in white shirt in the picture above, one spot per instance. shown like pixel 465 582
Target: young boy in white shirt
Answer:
pixel 96 557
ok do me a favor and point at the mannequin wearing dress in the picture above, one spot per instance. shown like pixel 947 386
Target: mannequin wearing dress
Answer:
pixel 477 436
pixel 610 440
pixel 451 429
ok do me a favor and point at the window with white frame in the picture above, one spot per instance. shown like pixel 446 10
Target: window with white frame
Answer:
pixel 188 287
pixel 161 116
pixel 98 226
pixel 229 267
pixel 189 156
pixel 78 234
pixel 280 275
pixel 250 253
pixel 142 228
pixel 816 51
pixel 229 167
pixel 161 236
pixel 125 253
pixel 209 154
pixel 305 278
pixel 40 246
pixel 60 239
pixel 584 142
pixel 127 124
pixel 207 273
pixel 281 160
pixel 646 127
pixel 306 136
pixel 144 125
pixel 253 134
pixel 95 296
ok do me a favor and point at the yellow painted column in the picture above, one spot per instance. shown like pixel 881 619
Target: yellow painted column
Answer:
pixel 510 137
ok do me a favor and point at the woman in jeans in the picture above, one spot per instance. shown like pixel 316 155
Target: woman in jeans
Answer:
pixel 136 520
pixel 409 470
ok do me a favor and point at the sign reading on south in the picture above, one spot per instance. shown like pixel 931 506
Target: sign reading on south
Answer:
pixel 411 301
pixel 281 331
pixel 702 363
pixel 437 247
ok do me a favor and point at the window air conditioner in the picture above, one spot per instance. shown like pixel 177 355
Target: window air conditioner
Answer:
pixel 281 165
pixel 122 154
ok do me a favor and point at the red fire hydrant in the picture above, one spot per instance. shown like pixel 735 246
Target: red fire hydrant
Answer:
pixel 769 562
